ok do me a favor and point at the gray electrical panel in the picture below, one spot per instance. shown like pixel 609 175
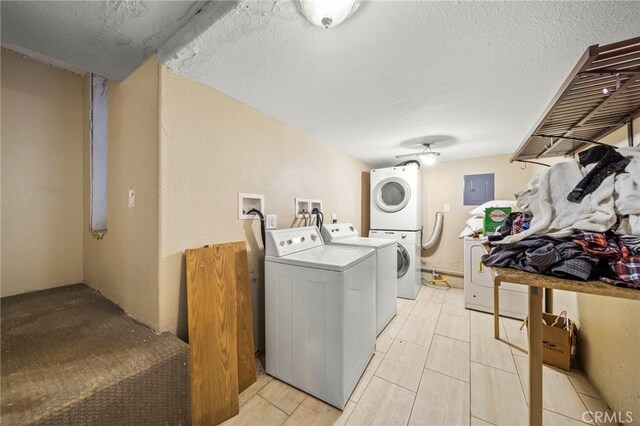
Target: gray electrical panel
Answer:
pixel 478 189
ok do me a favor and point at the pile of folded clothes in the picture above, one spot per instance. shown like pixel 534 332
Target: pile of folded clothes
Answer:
pixel 580 219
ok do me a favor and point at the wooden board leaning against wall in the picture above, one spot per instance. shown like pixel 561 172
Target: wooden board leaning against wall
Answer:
pixel 220 330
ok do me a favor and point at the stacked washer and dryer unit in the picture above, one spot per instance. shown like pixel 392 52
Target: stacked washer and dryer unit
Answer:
pixel 396 214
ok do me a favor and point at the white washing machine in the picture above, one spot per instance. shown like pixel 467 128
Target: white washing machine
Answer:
pixel 395 198
pixel 346 234
pixel 408 260
pixel 320 309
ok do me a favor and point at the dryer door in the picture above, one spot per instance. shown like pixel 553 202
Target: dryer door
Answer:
pixel 404 261
pixel 392 194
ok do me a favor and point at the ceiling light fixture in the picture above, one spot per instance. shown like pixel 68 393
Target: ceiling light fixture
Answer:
pixel 428 160
pixel 427 156
pixel 327 13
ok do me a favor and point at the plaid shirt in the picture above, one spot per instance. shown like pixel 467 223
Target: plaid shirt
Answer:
pixel 624 265
pixel 632 242
pixel 544 255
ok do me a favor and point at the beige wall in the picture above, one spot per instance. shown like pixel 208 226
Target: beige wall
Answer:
pixel 211 148
pixel 41 176
pixel 608 341
pixel 124 264
pixel 443 183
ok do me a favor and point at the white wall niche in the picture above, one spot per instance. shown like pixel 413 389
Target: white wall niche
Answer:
pixel 313 204
pixel 246 202
pixel 302 205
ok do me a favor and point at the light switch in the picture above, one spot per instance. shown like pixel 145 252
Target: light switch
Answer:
pixel 132 198
pixel 272 221
pixel 447 208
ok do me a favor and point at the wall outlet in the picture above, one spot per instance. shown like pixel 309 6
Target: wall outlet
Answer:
pixel 334 218
pixel 132 198
pixel 272 221
pixel 447 208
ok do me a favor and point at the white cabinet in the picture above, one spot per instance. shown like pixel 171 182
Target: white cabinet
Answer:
pixel 478 285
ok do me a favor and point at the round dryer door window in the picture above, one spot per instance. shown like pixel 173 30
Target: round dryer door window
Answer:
pixel 392 194
pixel 403 261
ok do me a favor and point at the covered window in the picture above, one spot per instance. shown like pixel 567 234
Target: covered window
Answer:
pixel 98 155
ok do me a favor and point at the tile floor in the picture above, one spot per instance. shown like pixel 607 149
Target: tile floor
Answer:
pixel 435 364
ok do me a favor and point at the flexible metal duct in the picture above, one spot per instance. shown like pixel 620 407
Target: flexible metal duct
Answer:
pixel 436 232
pixel 405 163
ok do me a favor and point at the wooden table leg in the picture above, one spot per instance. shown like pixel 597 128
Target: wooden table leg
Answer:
pixel 496 309
pixel 535 356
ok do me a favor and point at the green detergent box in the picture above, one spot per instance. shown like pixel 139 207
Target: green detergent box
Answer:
pixel 493 218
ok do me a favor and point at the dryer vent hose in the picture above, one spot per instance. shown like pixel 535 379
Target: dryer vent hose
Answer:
pixel 436 232
pixel 406 163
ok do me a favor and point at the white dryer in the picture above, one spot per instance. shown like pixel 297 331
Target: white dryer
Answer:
pixel 395 198
pixel 320 313
pixel 345 234
pixel 408 260
pixel 478 285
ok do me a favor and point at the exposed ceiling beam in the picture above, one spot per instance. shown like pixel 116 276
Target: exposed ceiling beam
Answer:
pixel 176 48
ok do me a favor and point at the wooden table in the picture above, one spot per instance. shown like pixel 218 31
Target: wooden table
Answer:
pixel 537 283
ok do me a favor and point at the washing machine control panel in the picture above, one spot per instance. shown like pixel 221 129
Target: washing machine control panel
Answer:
pixel 282 242
pixel 338 231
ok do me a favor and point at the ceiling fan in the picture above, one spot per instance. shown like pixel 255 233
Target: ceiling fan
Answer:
pixel 427 155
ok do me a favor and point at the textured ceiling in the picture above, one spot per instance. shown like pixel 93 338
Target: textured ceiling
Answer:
pixel 110 38
pixel 394 74
pixel 477 72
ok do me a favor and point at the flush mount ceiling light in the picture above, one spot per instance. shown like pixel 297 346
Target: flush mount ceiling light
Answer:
pixel 427 156
pixel 327 13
